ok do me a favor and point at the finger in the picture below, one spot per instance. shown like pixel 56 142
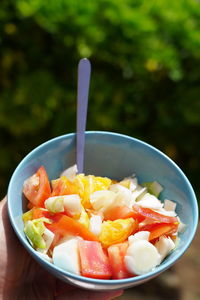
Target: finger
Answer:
pixel 79 294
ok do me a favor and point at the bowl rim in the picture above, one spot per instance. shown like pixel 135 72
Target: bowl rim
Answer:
pixel 137 279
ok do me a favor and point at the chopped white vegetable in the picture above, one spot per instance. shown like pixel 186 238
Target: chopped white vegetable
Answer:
pixel 150 201
pixel 123 195
pixel 48 237
pixel 181 226
pixel 66 256
pixel 164 212
pixel 54 204
pixel 168 209
pixel 72 204
pixel 138 236
pixel 102 200
pixel 95 224
pixel 177 241
pixel 133 182
pixel 45 256
pixel 139 192
pixel 141 257
pixel 116 187
pixel 169 205
pixel 164 245
pixel 70 173
pixel 67 238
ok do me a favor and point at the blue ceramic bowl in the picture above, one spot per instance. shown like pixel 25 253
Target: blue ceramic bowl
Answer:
pixel 116 156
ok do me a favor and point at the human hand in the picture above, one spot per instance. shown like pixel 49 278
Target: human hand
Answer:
pixel 22 278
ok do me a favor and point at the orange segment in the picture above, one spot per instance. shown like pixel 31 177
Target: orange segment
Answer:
pixel 86 185
pixel 117 231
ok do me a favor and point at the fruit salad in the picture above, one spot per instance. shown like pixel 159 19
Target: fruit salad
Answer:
pixel 98 227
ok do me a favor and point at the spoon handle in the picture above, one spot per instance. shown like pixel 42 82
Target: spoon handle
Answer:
pixel 84 69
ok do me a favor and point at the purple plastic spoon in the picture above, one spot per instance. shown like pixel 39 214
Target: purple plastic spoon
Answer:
pixel 84 69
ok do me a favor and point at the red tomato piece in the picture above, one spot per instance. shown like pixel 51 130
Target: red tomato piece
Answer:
pixel 158 229
pixel 94 261
pixel 116 255
pixel 119 212
pixel 65 225
pixel 30 205
pixel 137 216
pixel 37 188
pixel 151 214
pixel 40 213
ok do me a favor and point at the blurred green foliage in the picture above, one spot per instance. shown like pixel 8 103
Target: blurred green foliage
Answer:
pixel 145 74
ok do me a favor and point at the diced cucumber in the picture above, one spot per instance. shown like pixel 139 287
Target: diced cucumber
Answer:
pixel 153 187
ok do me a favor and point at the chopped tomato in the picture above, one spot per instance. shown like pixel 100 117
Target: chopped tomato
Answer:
pixel 137 216
pixel 158 229
pixel 65 225
pixel 116 255
pixel 121 212
pixel 37 187
pixel 151 214
pixel 40 213
pixel 94 261
pixel 30 205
